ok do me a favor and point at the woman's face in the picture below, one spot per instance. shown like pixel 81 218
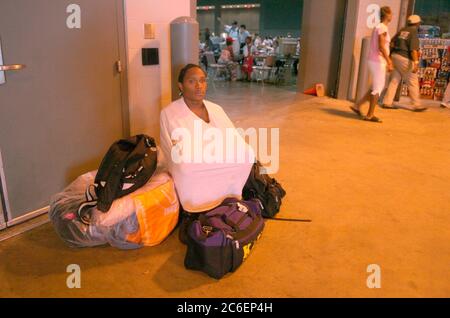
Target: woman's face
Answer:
pixel 194 84
pixel 388 18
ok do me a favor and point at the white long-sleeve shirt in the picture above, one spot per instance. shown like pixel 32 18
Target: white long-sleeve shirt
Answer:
pixel 195 153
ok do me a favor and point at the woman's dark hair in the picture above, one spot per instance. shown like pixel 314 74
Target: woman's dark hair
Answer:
pixel 384 11
pixel 185 69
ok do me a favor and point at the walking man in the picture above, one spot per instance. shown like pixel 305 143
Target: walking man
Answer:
pixel 405 57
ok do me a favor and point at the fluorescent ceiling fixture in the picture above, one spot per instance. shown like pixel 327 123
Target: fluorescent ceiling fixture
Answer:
pixel 206 8
pixel 241 6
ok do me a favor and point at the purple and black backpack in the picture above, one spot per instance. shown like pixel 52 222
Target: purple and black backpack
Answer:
pixel 221 239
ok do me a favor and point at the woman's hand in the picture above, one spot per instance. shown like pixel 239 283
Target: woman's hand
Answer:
pixel 390 65
pixel 415 67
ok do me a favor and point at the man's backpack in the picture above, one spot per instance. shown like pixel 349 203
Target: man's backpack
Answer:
pixel 127 166
pixel 264 188
pixel 220 240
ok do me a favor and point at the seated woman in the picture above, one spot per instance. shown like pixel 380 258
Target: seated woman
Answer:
pixel 227 58
pixel 206 156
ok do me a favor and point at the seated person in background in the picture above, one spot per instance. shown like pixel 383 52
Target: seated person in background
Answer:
pixel 258 41
pixel 227 52
pixel 276 47
pixel 194 136
pixel 267 42
pixel 247 65
pixel 227 58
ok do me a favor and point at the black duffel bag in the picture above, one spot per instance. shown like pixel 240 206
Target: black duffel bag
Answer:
pixel 264 188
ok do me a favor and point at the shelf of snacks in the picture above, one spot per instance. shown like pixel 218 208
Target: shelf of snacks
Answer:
pixel 434 68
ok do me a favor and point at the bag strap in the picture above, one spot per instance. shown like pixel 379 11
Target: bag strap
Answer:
pixel 281 219
pixel 88 195
pixel 90 202
pixel 235 226
pixel 289 220
pixel 86 217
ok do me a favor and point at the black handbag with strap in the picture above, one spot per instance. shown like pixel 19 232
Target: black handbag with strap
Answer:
pixel 264 188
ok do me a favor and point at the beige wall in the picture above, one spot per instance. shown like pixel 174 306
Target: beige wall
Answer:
pixel 362 30
pixel 149 87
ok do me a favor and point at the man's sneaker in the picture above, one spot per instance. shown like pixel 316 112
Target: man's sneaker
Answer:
pixel 419 109
pixel 445 105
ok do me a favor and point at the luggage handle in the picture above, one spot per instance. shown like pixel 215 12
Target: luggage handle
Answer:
pixel 251 227
pixel 249 212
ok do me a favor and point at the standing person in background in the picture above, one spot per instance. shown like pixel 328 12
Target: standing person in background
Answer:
pixel 446 99
pixel 234 31
pixel 207 37
pixel 379 63
pixel 296 58
pixel 243 34
pixel 405 56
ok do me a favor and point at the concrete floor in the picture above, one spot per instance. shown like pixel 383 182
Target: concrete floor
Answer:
pixel 377 194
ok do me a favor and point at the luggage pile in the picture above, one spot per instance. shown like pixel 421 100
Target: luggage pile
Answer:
pixel 220 240
pixel 128 203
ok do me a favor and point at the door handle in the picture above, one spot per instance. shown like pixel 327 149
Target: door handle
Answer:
pixel 12 67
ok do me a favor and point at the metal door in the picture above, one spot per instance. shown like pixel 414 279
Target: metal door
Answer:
pixel 60 98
